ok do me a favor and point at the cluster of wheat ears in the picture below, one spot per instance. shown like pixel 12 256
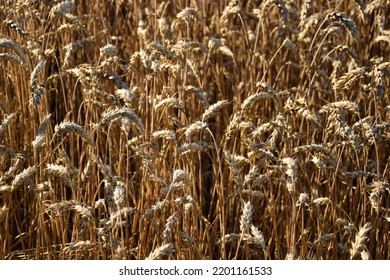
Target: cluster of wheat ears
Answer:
pixel 186 129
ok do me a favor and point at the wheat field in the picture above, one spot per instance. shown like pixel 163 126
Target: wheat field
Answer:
pixel 188 130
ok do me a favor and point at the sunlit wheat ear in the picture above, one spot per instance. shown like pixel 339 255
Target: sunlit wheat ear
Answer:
pixel 159 48
pixel 146 59
pixel 300 106
pixel 321 201
pixel 360 241
pixel 79 246
pixel 232 163
pixel 198 92
pixel 86 174
pixel 251 100
pixel 291 172
pixel 39 140
pixel 156 207
pixel 260 130
pixel 166 134
pixel 312 148
pixel 212 110
pixel 61 172
pixel 35 73
pixel 184 200
pixel 340 222
pixel 180 175
pixel 181 46
pixel 379 75
pixel 152 176
pixel 380 38
pixel 261 153
pixel 265 5
pixel 24 177
pixel 165 29
pixel 180 180
pixel 324 238
pixel 161 251
pixel 100 204
pixel 254 238
pixel 107 50
pixel 194 128
pixel 120 216
pixel 319 163
pixel 65 127
pixel 346 21
pixel 170 102
pixel 126 95
pixel 66 27
pixel 16 26
pixel 303 199
pixel 61 9
pixel 7 120
pixel 233 8
pixel 291 255
pixel 305 11
pixel 258 237
pixel 378 189
pixel 10 57
pixel 252 175
pixel 188 14
pixel 105 169
pixel 172 69
pixel 60 207
pixel 190 147
pixel 187 237
pixel 290 45
pixel 84 211
pixel 67 162
pixel 44 189
pixel 69 48
pixel 119 194
pixel 9 44
pixel 142 31
pixel 18 165
pixel 6 189
pixel 230 237
pixel 345 82
pixel 365 255
pixel 309 23
pixel 167 233
pixel 219 45
pixel 195 70
pixel 246 217
pixel 114 114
